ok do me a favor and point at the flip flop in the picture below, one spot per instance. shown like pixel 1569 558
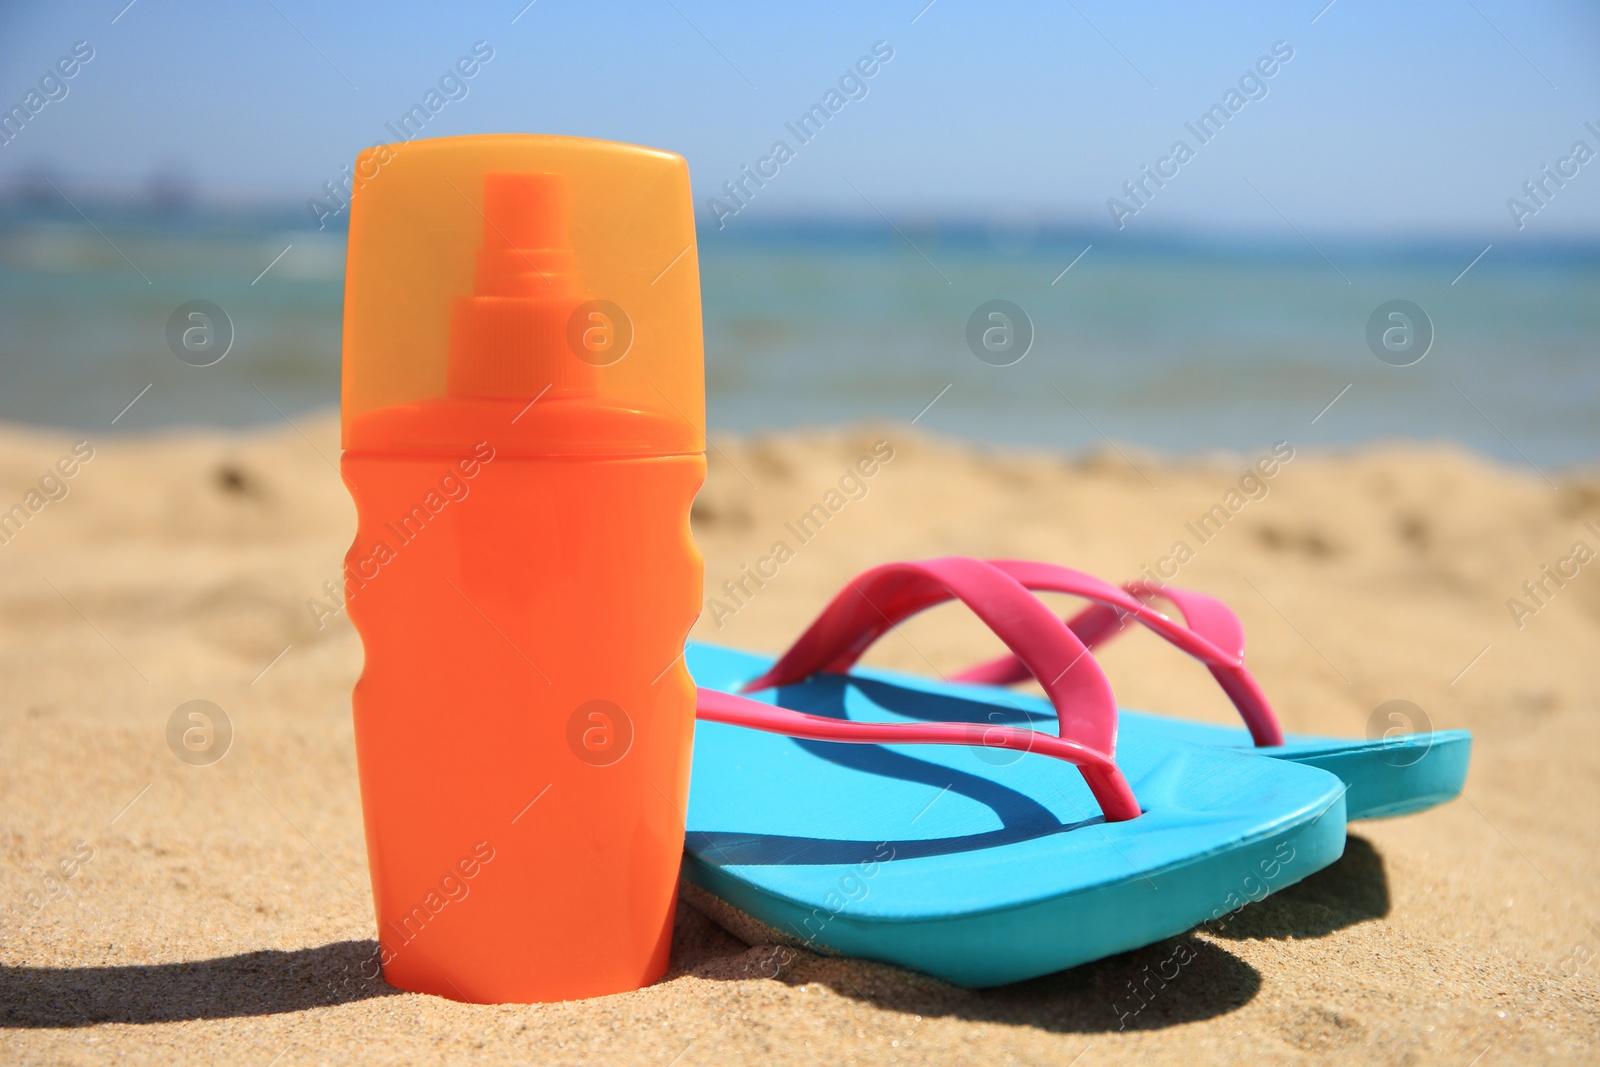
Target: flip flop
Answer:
pixel 903 820
pixel 1397 774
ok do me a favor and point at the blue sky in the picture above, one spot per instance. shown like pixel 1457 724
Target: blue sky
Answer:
pixel 1423 120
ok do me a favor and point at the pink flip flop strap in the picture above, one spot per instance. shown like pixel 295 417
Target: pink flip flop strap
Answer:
pixel 1105 781
pixel 1213 634
pixel 876 600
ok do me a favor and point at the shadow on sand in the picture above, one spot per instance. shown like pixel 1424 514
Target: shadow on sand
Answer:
pixel 1351 891
pixel 1180 980
pixel 254 983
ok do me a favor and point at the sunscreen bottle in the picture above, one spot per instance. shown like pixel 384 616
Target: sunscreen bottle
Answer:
pixel 523 434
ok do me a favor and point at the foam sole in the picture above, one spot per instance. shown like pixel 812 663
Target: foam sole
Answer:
pixel 983 866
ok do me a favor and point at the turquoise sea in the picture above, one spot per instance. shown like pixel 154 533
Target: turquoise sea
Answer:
pixel 1178 344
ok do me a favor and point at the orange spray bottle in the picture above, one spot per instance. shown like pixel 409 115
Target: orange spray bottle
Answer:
pixel 523 432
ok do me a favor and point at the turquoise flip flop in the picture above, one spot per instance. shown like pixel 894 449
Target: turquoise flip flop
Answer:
pixel 903 820
pixel 1396 774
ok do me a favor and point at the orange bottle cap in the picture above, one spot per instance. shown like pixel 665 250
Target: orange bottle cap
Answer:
pixel 540 292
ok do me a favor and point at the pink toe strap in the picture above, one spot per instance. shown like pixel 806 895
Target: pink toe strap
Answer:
pixel 1100 772
pixel 1213 634
pixel 876 600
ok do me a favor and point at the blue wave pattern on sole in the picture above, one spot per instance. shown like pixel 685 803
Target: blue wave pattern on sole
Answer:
pixel 1390 776
pixel 983 866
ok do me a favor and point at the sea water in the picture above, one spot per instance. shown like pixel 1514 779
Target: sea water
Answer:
pixel 1178 344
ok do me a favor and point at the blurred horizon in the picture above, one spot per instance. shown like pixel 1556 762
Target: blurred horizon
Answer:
pixel 1175 342
pixel 1345 119
pixel 161 201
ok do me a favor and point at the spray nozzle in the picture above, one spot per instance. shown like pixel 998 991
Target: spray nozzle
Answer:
pixel 526 249
pixel 509 338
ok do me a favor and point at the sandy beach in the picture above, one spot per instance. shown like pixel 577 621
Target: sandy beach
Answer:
pixel 158 911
